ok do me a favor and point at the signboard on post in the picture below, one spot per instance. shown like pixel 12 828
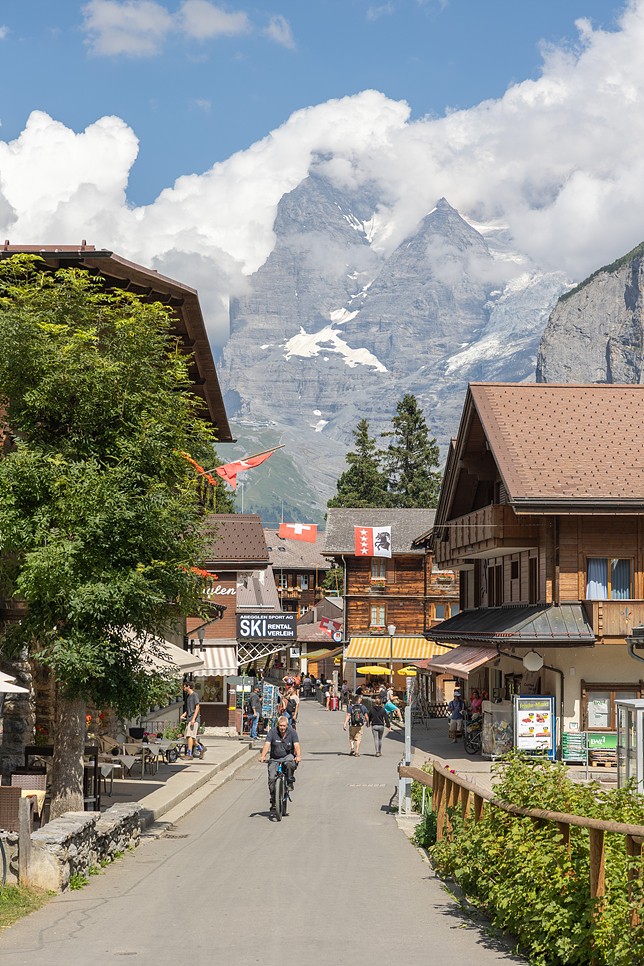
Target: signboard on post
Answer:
pixel 266 627
pixel 535 724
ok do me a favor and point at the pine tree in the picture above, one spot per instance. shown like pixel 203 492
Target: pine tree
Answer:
pixel 412 458
pixel 364 484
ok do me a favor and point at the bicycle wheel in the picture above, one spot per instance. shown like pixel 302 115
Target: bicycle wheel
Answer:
pixel 3 864
pixel 471 744
pixel 279 797
pixel 285 800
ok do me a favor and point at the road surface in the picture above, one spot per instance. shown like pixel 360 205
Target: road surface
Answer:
pixel 335 881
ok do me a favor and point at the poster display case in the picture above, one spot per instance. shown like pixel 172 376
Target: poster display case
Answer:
pixel 630 742
pixel 497 729
pixel 535 724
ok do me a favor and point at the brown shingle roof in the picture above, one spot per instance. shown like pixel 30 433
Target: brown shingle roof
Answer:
pixel 235 541
pixel 296 554
pixel 572 444
pixel 406 526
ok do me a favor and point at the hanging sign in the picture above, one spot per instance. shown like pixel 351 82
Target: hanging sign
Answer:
pixel 266 627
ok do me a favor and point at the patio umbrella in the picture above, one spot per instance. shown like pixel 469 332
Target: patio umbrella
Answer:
pixel 6 687
pixel 372 670
pixel 409 672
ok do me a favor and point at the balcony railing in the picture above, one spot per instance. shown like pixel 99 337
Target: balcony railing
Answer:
pixel 492 528
pixel 614 618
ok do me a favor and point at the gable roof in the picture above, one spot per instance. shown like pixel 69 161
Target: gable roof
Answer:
pixel 295 554
pixel 257 591
pixel 181 299
pixel 566 448
pixel 406 526
pixel 235 541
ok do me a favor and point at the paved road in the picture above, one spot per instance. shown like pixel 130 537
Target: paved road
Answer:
pixel 336 880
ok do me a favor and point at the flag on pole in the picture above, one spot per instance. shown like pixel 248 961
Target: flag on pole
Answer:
pixel 330 626
pixel 372 541
pixel 229 471
pixel 298 531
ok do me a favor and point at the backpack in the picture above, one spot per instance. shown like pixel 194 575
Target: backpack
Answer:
pixel 291 705
pixel 357 715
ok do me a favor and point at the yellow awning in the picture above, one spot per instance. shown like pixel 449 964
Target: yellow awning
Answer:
pixel 400 649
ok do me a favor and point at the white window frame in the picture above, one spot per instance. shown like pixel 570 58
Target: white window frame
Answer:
pixel 378 615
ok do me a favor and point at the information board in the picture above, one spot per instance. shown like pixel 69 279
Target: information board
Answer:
pixel 270 695
pixel 535 724
pixel 574 746
pixel 266 627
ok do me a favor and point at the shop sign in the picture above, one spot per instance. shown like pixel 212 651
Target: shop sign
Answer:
pixel 602 741
pixel 535 724
pixel 266 627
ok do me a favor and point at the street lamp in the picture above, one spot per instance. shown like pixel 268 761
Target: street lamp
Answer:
pixel 391 630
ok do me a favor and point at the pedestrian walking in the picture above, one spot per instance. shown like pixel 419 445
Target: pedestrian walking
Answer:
pixel 393 710
pixel 255 703
pixel 455 709
pixel 191 715
pixel 356 719
pixel 345 694
pixel 379 720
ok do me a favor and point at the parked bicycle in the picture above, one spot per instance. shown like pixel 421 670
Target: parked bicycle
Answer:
pixel 3 864
pixel 473 734
pixel 181 749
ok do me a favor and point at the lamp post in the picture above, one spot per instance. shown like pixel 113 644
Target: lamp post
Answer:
pixel 391 630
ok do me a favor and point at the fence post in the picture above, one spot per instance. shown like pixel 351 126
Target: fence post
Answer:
pixel 564 830
pixel 465 802
pixel 597 879
pixel 440 804
pixel 634 851
pixel 478 807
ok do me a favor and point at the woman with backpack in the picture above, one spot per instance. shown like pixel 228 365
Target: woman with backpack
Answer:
pixel 356 719
pixel 378 719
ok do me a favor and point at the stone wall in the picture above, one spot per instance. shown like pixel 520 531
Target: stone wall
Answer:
pixel 79 841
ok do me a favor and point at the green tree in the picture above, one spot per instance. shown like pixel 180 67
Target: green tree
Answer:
pixel 100 517
pixel 364 484
pixel 411 459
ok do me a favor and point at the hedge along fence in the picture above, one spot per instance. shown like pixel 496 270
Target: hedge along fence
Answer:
pixel 569 886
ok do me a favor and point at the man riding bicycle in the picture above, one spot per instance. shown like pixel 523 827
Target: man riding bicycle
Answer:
pixel 283 745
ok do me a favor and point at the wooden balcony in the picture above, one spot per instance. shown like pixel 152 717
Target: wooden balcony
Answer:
pixel 614 618
pixel 289 593
pixel 488 532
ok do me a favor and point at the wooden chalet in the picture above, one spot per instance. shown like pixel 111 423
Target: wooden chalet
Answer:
pixel 299 569
pixel 402 592
pixel 541 512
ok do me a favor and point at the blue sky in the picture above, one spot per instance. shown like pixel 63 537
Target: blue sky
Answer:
pixel 199 81
pixel 169 130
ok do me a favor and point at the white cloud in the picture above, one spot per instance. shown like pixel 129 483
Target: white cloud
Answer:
pixel 4 30
pixel 203 104
pixel 384 10
pixel 136 27
pixel 202 20
pixel 557 160
pixel 279 30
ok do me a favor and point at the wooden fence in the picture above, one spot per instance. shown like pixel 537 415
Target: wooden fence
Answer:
pixel 451 790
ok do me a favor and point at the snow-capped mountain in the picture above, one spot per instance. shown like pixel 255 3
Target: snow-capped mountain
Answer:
pixel 336 328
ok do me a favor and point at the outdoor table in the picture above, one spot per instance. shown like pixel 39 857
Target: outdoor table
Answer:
pixel 37 795
pixel 106 769
pixel 129 760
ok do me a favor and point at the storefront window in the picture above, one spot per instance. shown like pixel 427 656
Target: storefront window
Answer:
pixel 212 689
pixel 598 705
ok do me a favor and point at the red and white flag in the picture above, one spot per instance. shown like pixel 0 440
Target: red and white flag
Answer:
pixel 330 626
pixel 299 531
pixel 372 541
pixel 229 471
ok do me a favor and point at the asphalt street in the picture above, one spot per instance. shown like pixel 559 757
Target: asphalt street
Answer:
pixel 336 880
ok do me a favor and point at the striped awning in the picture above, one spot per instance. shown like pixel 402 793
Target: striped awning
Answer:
pixel 218 659
pixel 397 649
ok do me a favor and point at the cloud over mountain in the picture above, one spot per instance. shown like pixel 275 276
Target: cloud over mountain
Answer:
pixel 557 160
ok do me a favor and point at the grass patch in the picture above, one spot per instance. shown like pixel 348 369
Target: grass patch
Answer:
pixel 18 901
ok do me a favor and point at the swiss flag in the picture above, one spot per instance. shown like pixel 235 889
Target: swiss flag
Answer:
pixel 229 471
pixel 372 541
pixel 330 626
pixel 299 531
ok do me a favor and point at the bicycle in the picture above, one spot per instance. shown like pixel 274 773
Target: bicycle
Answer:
pixel 3 865
pixel 181 750
pixel 282 796
pixel 473 734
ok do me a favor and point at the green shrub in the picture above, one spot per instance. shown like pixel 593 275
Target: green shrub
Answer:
pixel 425 833
pixel 523 877
pixel 77 881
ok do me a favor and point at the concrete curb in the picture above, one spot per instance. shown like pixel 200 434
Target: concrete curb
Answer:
pixel 159 803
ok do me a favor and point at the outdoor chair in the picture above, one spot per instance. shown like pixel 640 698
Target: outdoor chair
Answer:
pixel 10 796
pixel 36 780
